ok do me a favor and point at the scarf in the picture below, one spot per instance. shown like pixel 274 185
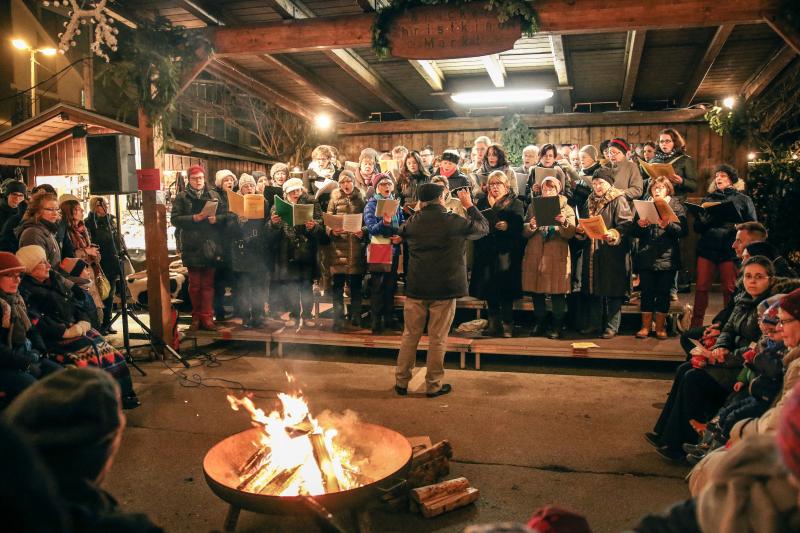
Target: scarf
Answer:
pixel 78 235
pixel 597 203
pixel 502 202
pixel 395 218
pixel 322 172
pixel 666 157
pixel 15 318
pixel 195 193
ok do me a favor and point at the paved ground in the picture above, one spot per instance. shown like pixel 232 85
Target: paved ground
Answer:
pixel 526 433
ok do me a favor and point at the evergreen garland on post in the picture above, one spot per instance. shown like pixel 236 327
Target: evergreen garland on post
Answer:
pixel 515 136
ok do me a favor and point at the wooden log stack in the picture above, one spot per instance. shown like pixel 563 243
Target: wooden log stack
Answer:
pixel 433 500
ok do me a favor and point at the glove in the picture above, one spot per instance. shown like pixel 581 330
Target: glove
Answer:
pixel 76 330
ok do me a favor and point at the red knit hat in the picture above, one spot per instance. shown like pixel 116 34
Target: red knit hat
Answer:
pixel 196 169
pixel 789 431
pixel 620 144
pixel 552 519
pixel 380 177
pixel 9 264
pixel 791 303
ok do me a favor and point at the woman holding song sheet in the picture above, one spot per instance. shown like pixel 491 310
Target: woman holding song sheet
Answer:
pixel 382 218
pixel 659 254
pixel 606 269
pixel 293 231
pixel 547 160
pixel 346 258
pixel 546 266
pixel 670 150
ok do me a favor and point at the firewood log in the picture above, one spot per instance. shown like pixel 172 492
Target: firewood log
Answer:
pixel 429 472
pixel 440 449
pixel 324 462
pixel 445 488
pixel 280 482
pixel 449 502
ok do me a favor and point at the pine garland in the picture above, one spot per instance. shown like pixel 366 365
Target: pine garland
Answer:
pixel 505 9
pixel 515 136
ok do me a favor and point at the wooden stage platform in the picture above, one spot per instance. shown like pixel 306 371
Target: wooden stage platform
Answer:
pixel 623 347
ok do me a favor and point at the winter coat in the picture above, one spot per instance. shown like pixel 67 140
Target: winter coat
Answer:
pixel 497 263
pixel 248 243
pixel 407 190
pixel 9 240
pixel 41 233
pixel 17 355
pixel 200 242
pixel 292 250
pixel 684 166
pixel 716 238
pixel 347 253
pixel 560 175
pixel 456 180
pixel 103 231
pixel 606 266
pixel 739 331
pixel 7 212
pixel 766 370
pixel 270 192
pixel 749 490
pixel 659 249
pixel 376 228
pixel 628 179
pixel 54 305
pixel 547 266
pixel 436 242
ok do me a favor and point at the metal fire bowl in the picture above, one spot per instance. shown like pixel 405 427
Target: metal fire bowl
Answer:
pixel 223 460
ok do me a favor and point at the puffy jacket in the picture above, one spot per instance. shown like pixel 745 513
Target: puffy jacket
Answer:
pixel 54 305
pixel 376 227
pixel 346 253
pixel 659 249
pixel 41 233
pixel 717 238
pixel 200 242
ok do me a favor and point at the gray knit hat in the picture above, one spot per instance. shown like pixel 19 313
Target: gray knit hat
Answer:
pixel 245 179
pixel 589 150
pixel 71 417
pixel 278 167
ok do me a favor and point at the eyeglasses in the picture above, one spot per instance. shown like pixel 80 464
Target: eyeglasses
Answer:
pixel 51 209
pixel 497 184
pixel 784 321
pixel 13 276
pixel 756 277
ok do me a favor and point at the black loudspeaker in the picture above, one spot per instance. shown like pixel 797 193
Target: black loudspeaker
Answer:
pixel 112 164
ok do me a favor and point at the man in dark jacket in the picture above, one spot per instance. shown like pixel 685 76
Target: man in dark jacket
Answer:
pixel 12 201
pixel 437 275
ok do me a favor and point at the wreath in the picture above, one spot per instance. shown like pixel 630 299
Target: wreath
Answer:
pixel 505 9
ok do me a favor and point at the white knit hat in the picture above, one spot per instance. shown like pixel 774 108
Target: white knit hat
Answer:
pixel 245 179
pixel 221 175
pixel 278 167
pixel 31 255
pixel 292 184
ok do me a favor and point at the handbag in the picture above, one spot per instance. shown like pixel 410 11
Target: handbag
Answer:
pixel 102 283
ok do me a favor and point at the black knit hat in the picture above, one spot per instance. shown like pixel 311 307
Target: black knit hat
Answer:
pixel 12 186
pixel 450 156
pixel 428 192
pixel 729 170
pixel 605 174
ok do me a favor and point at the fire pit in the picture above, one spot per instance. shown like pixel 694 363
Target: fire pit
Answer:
pixel 241 469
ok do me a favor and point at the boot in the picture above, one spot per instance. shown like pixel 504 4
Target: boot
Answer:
pixel 555 329
pixel 195 323
pixel 207 324
pixel 661 331
pixel 647 321
pixel 508 331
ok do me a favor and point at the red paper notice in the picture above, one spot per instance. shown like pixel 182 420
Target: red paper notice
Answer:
pixel 149 179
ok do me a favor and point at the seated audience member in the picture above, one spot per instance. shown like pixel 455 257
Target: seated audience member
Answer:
pixel 546 266
pixel 247 239
pixel 782 268
pixel 54 305
pixel 448 168
pixel 671 149
pixel 40 226
pixel 626 173
pixel 293 249
pixel 347 259
pixel 715 245
pixel 757 385
pixel 382 266
pixel 497 261
pixel 102 227
pixel 658 258
pixel 21 348
pixel 200 244
pixel 73 420
pixel 702 384
pixel 605 268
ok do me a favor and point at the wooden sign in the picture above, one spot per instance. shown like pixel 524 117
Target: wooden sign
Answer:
pixel 436 32
pixel 149 179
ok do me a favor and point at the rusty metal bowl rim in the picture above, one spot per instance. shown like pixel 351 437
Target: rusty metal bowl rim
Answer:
pixel 334 501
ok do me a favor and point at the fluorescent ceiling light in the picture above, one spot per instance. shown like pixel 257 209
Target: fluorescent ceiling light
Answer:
pixel 502 96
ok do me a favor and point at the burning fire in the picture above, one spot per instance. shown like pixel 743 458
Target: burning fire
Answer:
pixel 295 455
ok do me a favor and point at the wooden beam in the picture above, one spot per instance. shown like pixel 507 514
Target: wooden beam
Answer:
pixel 494 67
pixel 304 77
pixel 430 72
pixel 366 6
pixel 633 57
pixel 201 11
pixel 14 162
pixel 785 30
pixel 247 82
pixel 555 16
pixel 563 120
pixel 704 66
pixel 286 9
pixel 764 77
pixel 562 74
pixel 191 75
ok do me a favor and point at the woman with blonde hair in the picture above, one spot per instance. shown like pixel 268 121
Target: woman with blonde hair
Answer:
pixel 40 225
pixel 496 269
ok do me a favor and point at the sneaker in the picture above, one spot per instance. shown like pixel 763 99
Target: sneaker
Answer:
pixel 131 402
pixel 446 389
pixel 672 456
pixel 608 334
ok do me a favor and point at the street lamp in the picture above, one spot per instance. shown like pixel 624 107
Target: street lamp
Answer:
pixel 19 44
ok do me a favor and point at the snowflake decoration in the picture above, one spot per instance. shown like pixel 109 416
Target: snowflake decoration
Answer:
pixel 81 13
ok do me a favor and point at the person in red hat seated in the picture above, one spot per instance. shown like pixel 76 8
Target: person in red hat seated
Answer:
pixel 21 348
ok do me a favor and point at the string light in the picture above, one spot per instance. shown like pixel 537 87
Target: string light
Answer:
pixel 105 34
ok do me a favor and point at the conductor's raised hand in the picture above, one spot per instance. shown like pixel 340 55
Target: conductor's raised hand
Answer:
pixel 465 198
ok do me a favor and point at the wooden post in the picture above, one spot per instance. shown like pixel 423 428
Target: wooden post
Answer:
pixel 155 238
